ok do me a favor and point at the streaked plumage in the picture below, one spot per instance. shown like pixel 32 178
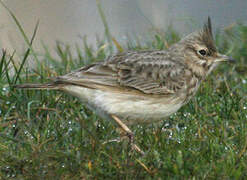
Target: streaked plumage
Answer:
pixel 143 86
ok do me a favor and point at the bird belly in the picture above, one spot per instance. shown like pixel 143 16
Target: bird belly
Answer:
pixel 131 109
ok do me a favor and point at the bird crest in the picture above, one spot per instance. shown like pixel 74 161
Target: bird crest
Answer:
pixel 206 36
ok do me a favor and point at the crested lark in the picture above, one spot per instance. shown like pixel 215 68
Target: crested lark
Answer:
pixel 143 86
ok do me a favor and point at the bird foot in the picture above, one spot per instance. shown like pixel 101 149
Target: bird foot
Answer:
pixel 126 132
pixel 131 142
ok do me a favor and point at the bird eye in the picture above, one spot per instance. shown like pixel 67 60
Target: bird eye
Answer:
pixel 202 52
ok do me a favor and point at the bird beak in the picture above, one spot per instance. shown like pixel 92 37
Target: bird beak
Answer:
pixel 224 58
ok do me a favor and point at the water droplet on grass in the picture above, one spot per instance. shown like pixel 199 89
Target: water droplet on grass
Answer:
pixel 186 114
pixel 167 125
pixel 170 135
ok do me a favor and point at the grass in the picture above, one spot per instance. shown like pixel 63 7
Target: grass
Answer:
pixel 50 135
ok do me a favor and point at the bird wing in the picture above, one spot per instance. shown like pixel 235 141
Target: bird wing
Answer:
pixel 149 72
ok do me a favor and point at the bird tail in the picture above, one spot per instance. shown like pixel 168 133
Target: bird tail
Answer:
pixel 37 86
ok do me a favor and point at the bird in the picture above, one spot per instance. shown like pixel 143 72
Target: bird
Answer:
pixel 138 87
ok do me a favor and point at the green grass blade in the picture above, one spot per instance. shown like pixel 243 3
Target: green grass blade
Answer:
pixel 26 54
pixel 21 30
pixel 2 63
pixel 107 31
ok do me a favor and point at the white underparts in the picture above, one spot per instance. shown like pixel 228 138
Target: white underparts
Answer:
pixel 130 108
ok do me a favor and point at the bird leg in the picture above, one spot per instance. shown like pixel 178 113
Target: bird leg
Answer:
pixel 129 134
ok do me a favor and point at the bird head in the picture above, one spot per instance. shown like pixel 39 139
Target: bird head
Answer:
pixel 199 50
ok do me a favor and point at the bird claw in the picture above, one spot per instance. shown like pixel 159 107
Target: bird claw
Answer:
pixel 125 132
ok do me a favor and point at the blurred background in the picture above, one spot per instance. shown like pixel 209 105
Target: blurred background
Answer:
pixel 68 21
